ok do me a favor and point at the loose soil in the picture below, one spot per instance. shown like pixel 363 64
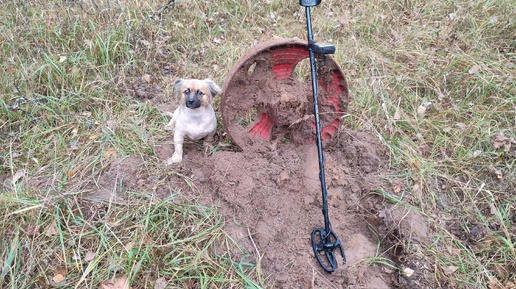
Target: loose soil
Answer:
pixel 276 197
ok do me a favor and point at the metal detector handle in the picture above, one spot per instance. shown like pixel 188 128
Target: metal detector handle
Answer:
pixel 322 48
pixel 309 3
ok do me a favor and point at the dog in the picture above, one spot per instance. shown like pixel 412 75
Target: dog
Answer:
pixel 195 117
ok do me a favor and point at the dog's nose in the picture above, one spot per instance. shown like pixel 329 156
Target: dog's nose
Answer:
pixel 192 103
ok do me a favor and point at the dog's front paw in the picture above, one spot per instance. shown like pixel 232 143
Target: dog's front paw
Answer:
pixel 176 158
pixel 208 146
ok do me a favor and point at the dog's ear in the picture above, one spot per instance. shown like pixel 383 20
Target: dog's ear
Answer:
pixel 177 84
pixel 214 88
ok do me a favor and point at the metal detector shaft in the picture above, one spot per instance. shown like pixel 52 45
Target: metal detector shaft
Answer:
pixel 328 240
pixel 315 88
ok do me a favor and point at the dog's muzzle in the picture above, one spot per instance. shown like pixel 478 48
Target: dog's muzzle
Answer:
pixel 193 103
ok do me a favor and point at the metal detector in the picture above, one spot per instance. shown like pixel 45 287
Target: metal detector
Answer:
pixel 324 240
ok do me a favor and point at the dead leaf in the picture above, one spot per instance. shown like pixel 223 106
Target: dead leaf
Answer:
pixel 389 279
pixel 502 141
pixel 397 115
pixel 33 231
pixel 476 153
pixel 499 140
pixel 74 144
pixel 58 278
pixel 161 283
pixel 110 153
pixel 408 272
pixel 425 150
pixel 474 69
pixel 450 270
pixel 216 40
pixel 18 175
pixel 120 283
pixel 492 209
pixel 496 171
pixel 146 78
pixel 16 155
pixel 415 162
pixel 417 189
pixel 51 231
pixel 461 125
pixel 62 58
pixel 130 245
pixel 89 256
pixel 487 242
pixel 421 110
pixel 493 283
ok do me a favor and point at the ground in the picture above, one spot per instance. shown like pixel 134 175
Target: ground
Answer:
pixel 420 171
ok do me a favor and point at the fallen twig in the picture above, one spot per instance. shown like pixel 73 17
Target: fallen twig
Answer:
pixel 95 4
pixel 82 8
pixel 25 11
pixel 19 102
pixel 6 134
pixel 125 15
pixel 163 8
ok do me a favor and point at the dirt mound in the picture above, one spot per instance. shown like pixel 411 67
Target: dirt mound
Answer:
pixel 276 197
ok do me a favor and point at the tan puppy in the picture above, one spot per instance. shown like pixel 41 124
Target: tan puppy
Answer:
pixel 194 118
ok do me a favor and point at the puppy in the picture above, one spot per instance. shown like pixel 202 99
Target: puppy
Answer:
pixel 194 118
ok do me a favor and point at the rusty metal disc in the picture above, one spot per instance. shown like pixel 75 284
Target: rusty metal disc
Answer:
pixel 267 96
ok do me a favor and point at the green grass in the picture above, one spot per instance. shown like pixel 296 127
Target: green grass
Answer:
pixel 457 57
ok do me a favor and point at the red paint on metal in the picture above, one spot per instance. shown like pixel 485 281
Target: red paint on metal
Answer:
pixel 285 59
pixel 263 128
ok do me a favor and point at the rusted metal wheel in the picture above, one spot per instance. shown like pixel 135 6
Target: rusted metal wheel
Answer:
pixel 267 98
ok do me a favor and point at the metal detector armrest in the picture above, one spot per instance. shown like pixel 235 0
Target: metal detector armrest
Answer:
pixel 322 48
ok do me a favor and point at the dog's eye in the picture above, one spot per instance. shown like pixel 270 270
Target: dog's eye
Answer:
pixel 187 90
pixel 199 92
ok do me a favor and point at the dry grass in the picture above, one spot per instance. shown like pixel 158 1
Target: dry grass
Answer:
pixel 434 80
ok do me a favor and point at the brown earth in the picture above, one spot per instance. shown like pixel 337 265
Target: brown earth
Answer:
pixel 276 199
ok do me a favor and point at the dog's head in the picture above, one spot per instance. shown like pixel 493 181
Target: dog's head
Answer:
pixel 194 92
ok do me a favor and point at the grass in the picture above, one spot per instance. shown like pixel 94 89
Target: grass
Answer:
pixel 456 59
